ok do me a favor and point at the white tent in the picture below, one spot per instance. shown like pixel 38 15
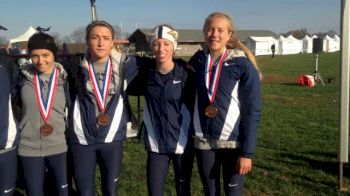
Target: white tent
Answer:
pixel 308 43
pixel 289 45
pixel 24 37
pixel 261 45
pixel 330 44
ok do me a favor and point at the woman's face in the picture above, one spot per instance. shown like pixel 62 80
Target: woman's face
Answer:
pixel 43 60
pixel 163 50
pixel 217 34
pixel 100 43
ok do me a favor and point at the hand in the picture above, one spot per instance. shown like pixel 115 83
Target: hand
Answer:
pixel 244 165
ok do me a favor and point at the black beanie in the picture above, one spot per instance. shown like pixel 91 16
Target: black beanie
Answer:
pixel 42 41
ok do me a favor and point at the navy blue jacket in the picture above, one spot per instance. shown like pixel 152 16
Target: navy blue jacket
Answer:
pixel 84 129
pixel 237 100
pixel 8 127
pixel 168 108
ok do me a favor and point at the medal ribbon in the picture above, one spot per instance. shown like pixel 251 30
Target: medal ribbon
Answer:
pixel 46 106
pixel 212 82
pixel 101 94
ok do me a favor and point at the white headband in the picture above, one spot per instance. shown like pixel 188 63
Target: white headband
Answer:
pixel 164 32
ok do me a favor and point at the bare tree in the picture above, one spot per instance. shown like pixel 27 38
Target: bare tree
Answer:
pixel 3 40
pixel 78 35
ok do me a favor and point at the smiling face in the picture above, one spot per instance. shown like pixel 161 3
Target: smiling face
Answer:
pixel 100 43
pixel 43 60
pixel 217 34
pixel 163 50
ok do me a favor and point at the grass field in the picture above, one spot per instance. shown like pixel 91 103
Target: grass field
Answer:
pixel 297 140
pixel 297 137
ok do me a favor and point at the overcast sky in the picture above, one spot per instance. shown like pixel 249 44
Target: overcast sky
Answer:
pixel 65 16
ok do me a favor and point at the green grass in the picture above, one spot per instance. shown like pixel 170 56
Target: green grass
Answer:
pixel 297 141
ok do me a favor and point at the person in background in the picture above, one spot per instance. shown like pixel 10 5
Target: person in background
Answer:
pixel 168 88
pixel 227 107
pixel 8 126
pixel 44 95
pixel 99 117
pixel 273 50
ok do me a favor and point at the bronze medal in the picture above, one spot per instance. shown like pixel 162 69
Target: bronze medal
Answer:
pixel 211 111
pixel 46 130
pixel 103 119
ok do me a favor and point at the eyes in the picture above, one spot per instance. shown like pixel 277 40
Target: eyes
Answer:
pixel 161 43
pixel 211 30
pixel 97 38
pixel 35 57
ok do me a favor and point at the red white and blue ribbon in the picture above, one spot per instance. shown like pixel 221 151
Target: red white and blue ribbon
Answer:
pixel 45 105
pixel 212 75
pixel 101 94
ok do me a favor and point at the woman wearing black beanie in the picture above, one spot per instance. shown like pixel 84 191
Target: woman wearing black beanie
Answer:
pixel 44 97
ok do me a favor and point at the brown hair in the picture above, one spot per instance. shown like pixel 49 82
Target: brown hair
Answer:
pixel 98 23
pixel 233 42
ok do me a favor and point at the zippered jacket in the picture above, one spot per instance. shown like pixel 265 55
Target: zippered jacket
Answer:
pixel 237 100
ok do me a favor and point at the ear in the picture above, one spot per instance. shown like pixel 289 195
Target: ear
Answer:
pixel 174 34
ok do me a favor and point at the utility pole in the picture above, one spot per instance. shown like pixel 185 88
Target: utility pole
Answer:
pixel 93 10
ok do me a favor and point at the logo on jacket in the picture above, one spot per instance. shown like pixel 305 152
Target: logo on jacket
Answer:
pixel 176 81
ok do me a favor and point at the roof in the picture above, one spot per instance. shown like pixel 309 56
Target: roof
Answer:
pixel 263 39
pixel 196 35
pixel 25 36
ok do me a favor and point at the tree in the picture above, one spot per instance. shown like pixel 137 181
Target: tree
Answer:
pixel 299 33
pixel 3 40
pixel 78 35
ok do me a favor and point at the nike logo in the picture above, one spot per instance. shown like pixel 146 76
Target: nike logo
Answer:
pixel 8 190
pixel 232 185
pixel 115 180
pixel 227 64
pixel 176 81
pixel 64 186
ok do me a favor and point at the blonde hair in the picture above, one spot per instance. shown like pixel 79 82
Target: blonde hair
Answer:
pixel 233 42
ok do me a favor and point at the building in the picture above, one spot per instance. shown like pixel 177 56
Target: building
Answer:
pixel 190 40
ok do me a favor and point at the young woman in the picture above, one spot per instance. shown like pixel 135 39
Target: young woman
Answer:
pixel 99 116
pixel 8 128
pixel 169 93
pixel 44 97
pixel 227 107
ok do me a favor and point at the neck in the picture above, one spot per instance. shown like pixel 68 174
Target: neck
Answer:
pixel 165 68
pixel 214 55
pixel 99 60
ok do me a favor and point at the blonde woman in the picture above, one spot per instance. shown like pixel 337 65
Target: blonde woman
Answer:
pixel 227 107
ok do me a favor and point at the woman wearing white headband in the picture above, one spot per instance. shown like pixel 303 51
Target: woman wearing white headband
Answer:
pixel 166 116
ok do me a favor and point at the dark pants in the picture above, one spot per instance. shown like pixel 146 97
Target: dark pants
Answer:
pixel 109 157
pixel 210 163
pixel 34 169
pixel 8 172
pixel 157 170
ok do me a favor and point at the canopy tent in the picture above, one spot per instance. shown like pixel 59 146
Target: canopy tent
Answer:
pixel 289 45
pixel 261 45
pixel 24 37
pixel 308 43
pixel 330 44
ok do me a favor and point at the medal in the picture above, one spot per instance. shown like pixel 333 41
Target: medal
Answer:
pixel 46 130
pixel 101 94
pixel 211 111
pixel 212 77
pixel 45 105
pixel 103 119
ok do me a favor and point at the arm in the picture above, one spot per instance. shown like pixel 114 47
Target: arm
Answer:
pixel 249 91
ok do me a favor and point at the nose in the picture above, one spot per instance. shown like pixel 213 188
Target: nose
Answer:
pixel 40 60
